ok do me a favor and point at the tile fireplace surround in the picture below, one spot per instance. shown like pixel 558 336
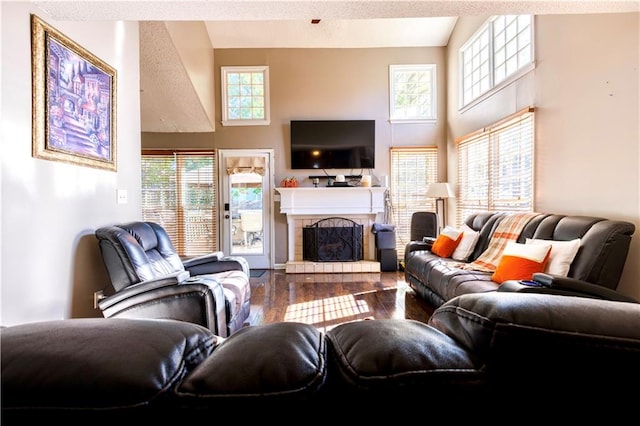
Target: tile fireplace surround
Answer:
pixel 304 206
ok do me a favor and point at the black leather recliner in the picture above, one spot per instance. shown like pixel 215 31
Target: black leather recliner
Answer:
pixel 423 225
pixel 150 280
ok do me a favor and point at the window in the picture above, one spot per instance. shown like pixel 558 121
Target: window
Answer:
pixel 413 93
pixel 495 167
pixel 178 192
pixel 245 96
pixel 499 52
pixel 412 170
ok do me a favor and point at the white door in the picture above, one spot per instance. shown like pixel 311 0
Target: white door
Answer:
pixel 246 183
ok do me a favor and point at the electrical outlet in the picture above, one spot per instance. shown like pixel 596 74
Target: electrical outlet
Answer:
pixel 97 296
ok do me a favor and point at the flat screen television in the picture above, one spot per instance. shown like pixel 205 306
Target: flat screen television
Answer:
pixel 333 144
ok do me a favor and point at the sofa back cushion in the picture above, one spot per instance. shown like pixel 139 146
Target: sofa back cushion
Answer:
pixel 604 245
pixel 485 224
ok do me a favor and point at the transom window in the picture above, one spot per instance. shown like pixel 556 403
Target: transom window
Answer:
pixel 413 93
pixel 499 52
pixel 495 167
pixel 245 96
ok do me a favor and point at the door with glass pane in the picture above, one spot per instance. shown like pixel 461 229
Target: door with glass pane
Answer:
pixel 246 201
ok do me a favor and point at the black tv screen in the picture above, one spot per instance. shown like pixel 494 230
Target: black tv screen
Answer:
pixel 333 144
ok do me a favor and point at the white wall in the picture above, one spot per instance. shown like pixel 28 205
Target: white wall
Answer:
pixel 50 264
pixel 585 89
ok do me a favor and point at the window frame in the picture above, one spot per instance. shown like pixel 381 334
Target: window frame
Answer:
pixel 224 73
pixel 493 168
pixel 431 114
pixel 489 27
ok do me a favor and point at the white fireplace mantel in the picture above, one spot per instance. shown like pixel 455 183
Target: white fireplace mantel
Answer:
pixel 331 201
pixel 303 202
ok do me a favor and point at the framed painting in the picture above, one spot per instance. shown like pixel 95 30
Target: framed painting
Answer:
pixel 74 94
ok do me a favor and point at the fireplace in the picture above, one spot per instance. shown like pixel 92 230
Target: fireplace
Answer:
pixel 332 239
pixel 304 206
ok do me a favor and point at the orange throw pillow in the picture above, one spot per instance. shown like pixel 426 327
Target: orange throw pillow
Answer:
pixel 521 261
pixel 446 242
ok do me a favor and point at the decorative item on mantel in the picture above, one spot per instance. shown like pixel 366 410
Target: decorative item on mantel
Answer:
pixel 290 182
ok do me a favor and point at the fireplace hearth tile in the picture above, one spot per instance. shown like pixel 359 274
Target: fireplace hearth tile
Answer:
pixel 308 267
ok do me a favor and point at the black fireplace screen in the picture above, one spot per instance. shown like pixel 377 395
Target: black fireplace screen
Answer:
pixel 333 239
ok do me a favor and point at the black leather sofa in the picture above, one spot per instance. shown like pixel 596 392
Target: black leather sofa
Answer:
pixel 481 355
pixel 594 272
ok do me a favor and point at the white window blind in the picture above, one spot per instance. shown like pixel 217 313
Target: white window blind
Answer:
pixel 412 170
pixel 495 167
pixel 179 193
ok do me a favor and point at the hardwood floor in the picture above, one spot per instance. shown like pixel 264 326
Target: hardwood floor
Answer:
pixel 326 300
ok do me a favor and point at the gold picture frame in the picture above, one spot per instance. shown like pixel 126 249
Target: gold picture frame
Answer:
pixel 74 101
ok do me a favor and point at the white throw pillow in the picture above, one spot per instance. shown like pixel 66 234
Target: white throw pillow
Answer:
pixel 561 256
pixel 466 245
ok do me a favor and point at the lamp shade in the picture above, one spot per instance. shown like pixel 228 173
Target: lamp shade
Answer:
pixel 440 190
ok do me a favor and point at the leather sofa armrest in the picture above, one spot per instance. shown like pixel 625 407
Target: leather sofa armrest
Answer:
pixel 201 260
pixel 200 300
pixel 418 245
pixel 214 263
pixel 558 284
pixel 144 286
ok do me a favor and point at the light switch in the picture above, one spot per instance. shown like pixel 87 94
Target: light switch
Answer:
pixel 122 196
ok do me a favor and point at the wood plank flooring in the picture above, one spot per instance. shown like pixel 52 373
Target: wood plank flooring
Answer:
pixel 326 300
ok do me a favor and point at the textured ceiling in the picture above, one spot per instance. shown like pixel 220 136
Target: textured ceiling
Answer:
pixel 170 102
pixel 212 10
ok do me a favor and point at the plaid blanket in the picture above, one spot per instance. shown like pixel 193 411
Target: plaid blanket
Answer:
pixel 507 230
